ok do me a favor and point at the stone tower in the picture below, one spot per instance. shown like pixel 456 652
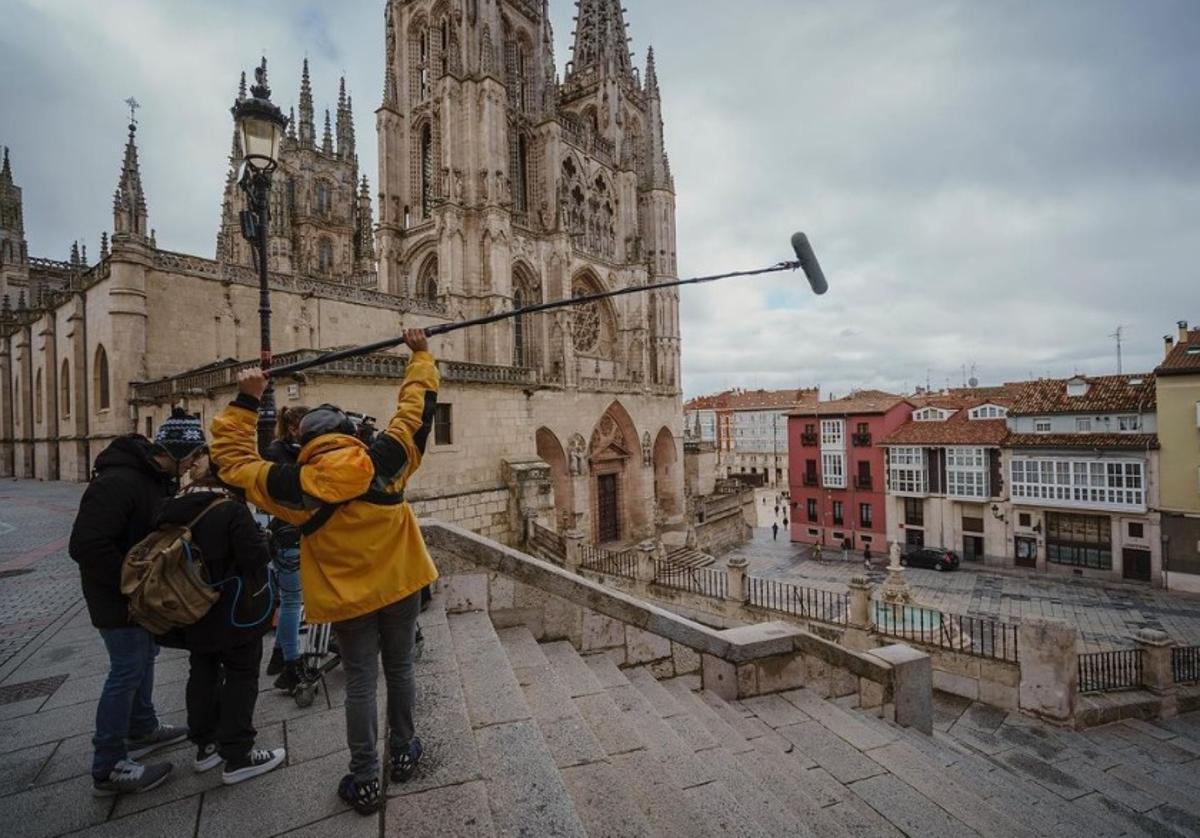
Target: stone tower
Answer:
pixel 14 254
pixel 319 225
pixel 499 186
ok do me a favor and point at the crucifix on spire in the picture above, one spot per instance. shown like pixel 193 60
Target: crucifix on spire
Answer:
pixel 133 107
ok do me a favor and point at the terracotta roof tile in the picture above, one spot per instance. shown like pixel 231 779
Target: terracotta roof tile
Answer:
pixel 1123 441
pixel 1105 393
pixel 1184 357
pixel 957 430
pixel 860 402
pixel 754 399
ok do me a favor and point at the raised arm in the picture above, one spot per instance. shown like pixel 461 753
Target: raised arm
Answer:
pixel 397 451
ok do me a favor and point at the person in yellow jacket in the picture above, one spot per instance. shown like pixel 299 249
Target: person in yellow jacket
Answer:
pixel 363 562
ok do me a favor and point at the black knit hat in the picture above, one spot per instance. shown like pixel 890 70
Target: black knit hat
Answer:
pixel 181 435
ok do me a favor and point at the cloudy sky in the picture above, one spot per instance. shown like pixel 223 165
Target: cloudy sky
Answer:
pixel 996 184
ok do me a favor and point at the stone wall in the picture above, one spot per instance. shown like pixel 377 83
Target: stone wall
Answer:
pixel 721 521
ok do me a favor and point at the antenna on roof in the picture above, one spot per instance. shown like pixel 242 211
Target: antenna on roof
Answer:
pixel 1117 336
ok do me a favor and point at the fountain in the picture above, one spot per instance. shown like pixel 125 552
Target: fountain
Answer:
pixel 894 612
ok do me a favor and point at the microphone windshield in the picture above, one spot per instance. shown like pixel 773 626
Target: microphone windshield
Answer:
pixel 808 261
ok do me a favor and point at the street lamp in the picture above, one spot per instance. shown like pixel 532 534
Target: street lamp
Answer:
pixel 260 125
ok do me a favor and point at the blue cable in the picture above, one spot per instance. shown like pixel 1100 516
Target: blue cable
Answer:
pixel 187 547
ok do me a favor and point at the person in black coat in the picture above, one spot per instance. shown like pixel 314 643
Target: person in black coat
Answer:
pixel 226 643
pixel 131 479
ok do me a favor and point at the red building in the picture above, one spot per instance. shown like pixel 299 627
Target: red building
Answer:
pixel 837 469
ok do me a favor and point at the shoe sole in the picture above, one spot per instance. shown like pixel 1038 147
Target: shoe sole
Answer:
pixel 138 753
pixel 239 775
pixel 202 765
pixel 114 792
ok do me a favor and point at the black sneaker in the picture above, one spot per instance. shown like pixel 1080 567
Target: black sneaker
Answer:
pixel 129 777
pixel 206 758
pixel 291 677
pixel 404 763
pixel 364 797
pixel 275 664
pixel 251 765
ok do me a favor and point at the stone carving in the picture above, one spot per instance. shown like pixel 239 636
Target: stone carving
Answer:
pixel 577 453
pixel 585 327
pixel 647 449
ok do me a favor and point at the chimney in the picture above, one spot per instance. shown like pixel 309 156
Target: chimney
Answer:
pixel 1168 344
pixel 1183 331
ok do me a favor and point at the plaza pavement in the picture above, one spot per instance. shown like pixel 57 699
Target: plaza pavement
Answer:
pixel 1108 614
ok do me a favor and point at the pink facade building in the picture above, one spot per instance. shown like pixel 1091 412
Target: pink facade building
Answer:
pixel 837 469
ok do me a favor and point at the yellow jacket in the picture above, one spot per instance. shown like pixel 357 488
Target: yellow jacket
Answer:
pixel 368 554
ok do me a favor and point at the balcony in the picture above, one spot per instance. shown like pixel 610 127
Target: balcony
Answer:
pixel 861 440
pixel 809 440
pixel 864 482
pixel 812 479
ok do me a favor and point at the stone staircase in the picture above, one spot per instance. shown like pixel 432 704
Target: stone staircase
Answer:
pixel 688 558
pixel 526 738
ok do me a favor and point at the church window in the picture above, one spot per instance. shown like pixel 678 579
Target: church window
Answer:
pixel 424 69
pixel 443 424
pixel 325 256
pixel 521 175
pixel 519 348
pixel 427 283
pixel 324 198
pixel 100 384
pixel 426 170
pixel 64 383
pixel 37 398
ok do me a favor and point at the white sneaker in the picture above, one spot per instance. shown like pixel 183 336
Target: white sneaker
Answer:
pixel 129 777
pixel 254 763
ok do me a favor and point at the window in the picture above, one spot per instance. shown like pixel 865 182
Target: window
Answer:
pixel 426 170
pixel 810 472
pixel 427 283
pixel 811 508
pixel 518 330
pixel 864 428
pixel 833 469
pixel 324 198
pixel 813 533
pixel 1137 530
pixel 37 397
pixel 972 523
pixel 325 256
pixel 864 516
pixel 1077 387
pixel 1079 540
pixel 838 512
pixel 1024 519
pixel 149 427
pixel 1083 424
pixel 100 379
pixel 833 433
pixel 1041 426
pixel 931 414
pixel 1083 483
pixel 864 475
pixel 1129 424
pixel 914 512
pixel 907 471
pixel 64 386
pixel 966 472
pixel 443 425
pixel 988 411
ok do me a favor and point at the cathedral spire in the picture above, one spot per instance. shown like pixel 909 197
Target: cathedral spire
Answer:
pixel 327 140
pixel 308 131
pixel 129 200
pixel 651 73
pixel 345 123
pixel 6 171
pixel 291 129
pixel 601 42
pixel 104 245
pixel 242 87
pixel 364 230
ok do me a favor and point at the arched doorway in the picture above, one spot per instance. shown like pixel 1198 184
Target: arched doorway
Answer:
pixel 551 452
pixel 665 458
pixel 617 501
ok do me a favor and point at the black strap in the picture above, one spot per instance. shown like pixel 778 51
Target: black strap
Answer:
pixel 325 512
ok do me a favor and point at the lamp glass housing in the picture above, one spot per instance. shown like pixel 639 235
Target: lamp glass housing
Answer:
pixel 261 138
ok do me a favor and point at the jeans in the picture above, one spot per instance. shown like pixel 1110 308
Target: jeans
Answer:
pixel 126 708
pixel 222 690
pixel 392 631
pixel 291 598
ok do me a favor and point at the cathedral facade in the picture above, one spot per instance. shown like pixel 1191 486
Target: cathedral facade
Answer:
pixel 500 184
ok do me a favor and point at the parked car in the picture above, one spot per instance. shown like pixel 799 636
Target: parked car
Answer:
pixel 938 558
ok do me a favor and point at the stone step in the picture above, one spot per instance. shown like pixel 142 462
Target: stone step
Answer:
pixel 525 790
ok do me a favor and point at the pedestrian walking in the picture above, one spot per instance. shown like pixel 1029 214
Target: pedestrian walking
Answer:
pixel 775 531
pixel 846 550
pixel 225 645
pixel 131 479
pixel 362 559
pixel 867 557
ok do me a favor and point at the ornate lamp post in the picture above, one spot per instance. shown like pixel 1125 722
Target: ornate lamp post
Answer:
pixel 260 125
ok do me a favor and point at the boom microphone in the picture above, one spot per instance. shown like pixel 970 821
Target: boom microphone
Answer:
pixel 808 261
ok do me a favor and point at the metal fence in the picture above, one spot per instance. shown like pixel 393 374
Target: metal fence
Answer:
pixel 1185 664
pixel 698 580
pixel 1108 671
pixel 978 636
pixel 811 603
pixel 600 560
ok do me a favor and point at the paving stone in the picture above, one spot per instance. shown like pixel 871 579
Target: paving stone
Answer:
pixel 907 809
pixel 845 724
pixel 525 790
pixel 87 690
pixel 347 824
pixel 1174 751
pixel 763 800
pixel 721 813
pixel 451 755
pixel 73 757
pixel 710 719
pixel 576 675
pixel 53 810
pixel 317 734
pixel 459 811
pixel 775 711
pixel 854 817
pixel 747 725
pixel 660 698
pixel 489 686
pixel 831 752
pixel 1058 781
pixel 522 648
pixel 18 768
pixel 1124 820
pixel 168 821
pixel 1190 803
pixel 1185 823
pixel 607 673
pixel 604 802
pixel 607 723
pixel 22 708
pixel 437 652
pixel 664 805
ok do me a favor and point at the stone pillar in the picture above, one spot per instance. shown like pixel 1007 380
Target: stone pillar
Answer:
pixel 1157 675
pixel 574 558
pixel 1048 657
pixel 912 685
pixel 860 603
pixel 735 574
pixel 647 561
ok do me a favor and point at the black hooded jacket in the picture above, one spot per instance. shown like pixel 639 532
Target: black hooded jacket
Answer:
pixel 236 556
pixel 116 512
pixel 283 535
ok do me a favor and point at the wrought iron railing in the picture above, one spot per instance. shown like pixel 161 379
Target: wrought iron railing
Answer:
pixel 623 563
pixel 698 580
pixel 1120 669
pixel 979 636
pixel 808 439
pixel 861 440
pixel 811 479
pixel 1185 664
pixel 863 481
pixel 810 603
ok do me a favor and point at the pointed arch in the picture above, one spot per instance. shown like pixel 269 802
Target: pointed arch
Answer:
pixel 64 387
pixel 665 458
pixel 101 390
pixel 594 325
pixel 428 287
pixel 550 450
pixel 614 461
pixel 527 329
pixel 38 398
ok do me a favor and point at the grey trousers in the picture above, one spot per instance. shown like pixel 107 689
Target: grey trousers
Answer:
pixel 392 632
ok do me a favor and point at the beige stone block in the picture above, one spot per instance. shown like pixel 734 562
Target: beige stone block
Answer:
pixel 501 592
pixel 956 664
pixel 842 682
pixel 563 620
pixel 616 655
pixel 747 680
pixel 686 660
pixel 783 672
pixel 720 676
pixel 997 695
pixel 466 592
pixel 870 693
pixel 661 669
pixel 817 675
pixel 960 685
pixel 642 646
pixel 600 632
pixel 1008 674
